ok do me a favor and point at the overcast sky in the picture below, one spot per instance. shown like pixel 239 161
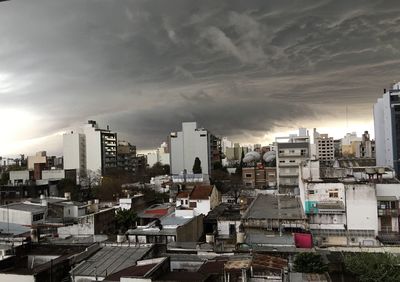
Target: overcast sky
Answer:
pixel 244 69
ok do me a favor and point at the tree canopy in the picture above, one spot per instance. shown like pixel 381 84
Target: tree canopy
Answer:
pixel 309 263
pixel 125 219
pixel 197 166
pixel 373 266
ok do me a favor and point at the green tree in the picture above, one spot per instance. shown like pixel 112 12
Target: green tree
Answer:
pixel 373 266
pixel 158 169
pixel 197 166
pixel 309 263
pixel 124 220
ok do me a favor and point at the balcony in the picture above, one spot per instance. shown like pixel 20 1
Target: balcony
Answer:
pixel 388 212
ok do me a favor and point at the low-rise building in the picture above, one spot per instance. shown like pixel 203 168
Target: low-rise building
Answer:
pixel 274 213
pixel 110 259
pixel 201 199
pixel 23 213
pixel 340 206
pixel 101 222
pixel 169 228
pixel 259 177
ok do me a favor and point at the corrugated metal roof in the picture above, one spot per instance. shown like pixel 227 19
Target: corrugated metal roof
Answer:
pixel 109 260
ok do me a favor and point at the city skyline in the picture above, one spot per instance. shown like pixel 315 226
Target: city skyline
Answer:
pixel 246 71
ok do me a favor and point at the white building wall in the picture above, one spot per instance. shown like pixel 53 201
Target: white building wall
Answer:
pixel 53 174
pixel 19 175
pixel 203 206
pixel 383 131
pixel 361 207
pixel 93 149
pixel 383 189
pixel 16 277
pixel 223 226
pixel 74 151
pixel 177 156
pixel 15 216
pixel 37 159
pixel 189 144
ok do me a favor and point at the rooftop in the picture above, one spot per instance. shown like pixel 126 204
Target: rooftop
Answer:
pixel 224 211
pixel 275 207
pixel 201 192
pixel 111 259
pixel 24 207
pixel 183 276
pixel 183 194
pixel 14 229
pixel 269 240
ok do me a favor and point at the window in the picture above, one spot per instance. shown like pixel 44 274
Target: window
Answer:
pixel 37 217
pixel 193 204
pixel 248 175
pixel 333 194
pixel 181 202
pixel 186 202
pixel 292 161
pixel 310 192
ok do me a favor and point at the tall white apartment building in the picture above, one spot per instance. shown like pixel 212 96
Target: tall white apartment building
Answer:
pixel 160 155
pixel 190 143
pixel 74 151
pixel 90 148
pixel 324 147
pixel 291 151
pixel 387 128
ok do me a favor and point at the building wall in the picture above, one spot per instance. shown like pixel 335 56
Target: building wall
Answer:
pixel 17 216
pixel 93 149
pixel 202 206
pixel 19 176
pixel 361 207
pixel 383 131
pixel 186 146
pixel 53 174
pixel 16 277
pixel 215 198
pixel 325 148
pixel 223 226
pixel 74 150
pixel 288 161
pixel 191 231
pixel 39 158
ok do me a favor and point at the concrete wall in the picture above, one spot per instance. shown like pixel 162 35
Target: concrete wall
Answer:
pixel 383 131
pixel 37 159
pixel 16 216
pixel 203 206
pixel 93 149
pixel 189 144
pixel 16 277
pixel 191 231
pixel 53 174
pixel 223 226
pixel 18 176
pixel 361 207
pixel 74 150
pixel 388 189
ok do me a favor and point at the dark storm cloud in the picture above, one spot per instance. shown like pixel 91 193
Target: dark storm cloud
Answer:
pixel 240 68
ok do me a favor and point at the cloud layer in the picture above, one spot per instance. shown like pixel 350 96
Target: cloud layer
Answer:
pixel 240 68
